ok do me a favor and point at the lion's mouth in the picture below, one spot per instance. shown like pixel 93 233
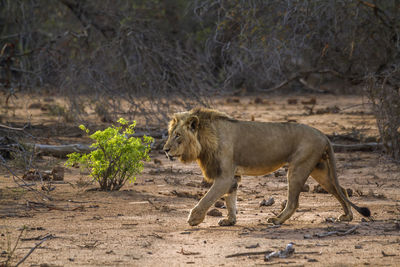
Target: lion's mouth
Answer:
pixel 170 157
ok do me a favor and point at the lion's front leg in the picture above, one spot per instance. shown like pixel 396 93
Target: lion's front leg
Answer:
pixel 217 190
pixel 230 200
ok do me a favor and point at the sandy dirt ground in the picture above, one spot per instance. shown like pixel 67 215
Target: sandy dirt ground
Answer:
pixel 144 224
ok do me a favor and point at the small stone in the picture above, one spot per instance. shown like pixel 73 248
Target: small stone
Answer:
pixel 219 204
pixel 358 247
pixel 214 213
pixel 253 246
pixel 268 202
pixel 307 236
pixel 279 173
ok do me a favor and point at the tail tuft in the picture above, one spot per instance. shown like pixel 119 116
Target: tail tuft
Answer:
pixel 364 211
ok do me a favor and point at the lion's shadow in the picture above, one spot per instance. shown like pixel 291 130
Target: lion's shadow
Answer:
pixel 322 231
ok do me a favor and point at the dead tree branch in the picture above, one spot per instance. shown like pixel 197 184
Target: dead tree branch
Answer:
pixel 62 151
pixel 33 249
pixel 338 232
pixel 13 128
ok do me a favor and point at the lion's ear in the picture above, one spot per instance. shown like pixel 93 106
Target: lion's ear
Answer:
pixel 193 123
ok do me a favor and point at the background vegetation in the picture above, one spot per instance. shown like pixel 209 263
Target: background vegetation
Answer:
pixel 149 53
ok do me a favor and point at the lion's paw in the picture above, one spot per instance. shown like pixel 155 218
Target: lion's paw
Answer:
pixel 274 220
pixel 227 222
pixel 345 218
pixel 196 217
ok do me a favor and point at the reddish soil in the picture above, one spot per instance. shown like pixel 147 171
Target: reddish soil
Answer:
pixel 144 224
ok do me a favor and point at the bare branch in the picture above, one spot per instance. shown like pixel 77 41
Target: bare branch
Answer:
pixel 33 249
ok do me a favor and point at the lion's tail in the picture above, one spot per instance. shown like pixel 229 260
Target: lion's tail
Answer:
pixel 364 211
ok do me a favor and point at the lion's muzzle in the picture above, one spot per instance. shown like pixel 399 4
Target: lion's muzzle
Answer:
pixel 171 158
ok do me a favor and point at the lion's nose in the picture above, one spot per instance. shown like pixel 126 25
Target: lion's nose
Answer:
pixel 166 150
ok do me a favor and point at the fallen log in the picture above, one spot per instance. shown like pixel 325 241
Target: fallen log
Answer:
pixel 357 147
pixel 62 151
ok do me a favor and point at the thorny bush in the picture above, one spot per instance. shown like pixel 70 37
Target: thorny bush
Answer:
pixel 117 156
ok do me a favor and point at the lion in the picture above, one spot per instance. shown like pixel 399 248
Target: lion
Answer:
pixel 226 149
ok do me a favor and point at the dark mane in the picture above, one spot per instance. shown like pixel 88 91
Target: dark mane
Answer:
pixel 209 159
pixel 205 114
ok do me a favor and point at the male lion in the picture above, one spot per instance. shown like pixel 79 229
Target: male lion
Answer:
pixel 226 149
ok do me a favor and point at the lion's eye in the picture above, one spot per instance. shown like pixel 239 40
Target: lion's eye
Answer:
pixel 177 135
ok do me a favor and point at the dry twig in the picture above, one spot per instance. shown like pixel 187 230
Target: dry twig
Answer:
pixel 338 232
pixel 49 236
pixel 245 254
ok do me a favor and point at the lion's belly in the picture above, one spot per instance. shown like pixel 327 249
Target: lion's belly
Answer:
pixel 255 171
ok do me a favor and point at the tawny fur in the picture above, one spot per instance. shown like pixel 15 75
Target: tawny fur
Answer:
pixel 226 148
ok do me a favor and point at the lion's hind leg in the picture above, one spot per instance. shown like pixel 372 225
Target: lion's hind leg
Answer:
pixel 321 175
pixel 297 176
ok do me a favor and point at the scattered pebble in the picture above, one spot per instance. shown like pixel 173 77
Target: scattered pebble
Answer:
pixel 268 202
pixel 219 204
pixel 279 173
pixel 214 213
pixel 253 246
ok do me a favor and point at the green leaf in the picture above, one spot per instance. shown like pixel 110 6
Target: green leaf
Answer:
pixel 117 158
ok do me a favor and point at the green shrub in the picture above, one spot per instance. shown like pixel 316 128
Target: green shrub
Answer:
pixel 117 156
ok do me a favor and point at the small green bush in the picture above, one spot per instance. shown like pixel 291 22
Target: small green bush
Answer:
pixel 117 157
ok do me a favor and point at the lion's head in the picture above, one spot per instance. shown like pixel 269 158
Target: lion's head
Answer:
pixel 182 137
pixel 193 136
